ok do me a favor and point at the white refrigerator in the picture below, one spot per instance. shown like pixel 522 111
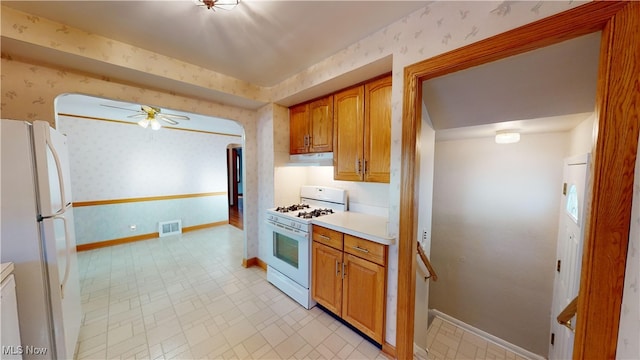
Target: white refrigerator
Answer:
pixel 37 235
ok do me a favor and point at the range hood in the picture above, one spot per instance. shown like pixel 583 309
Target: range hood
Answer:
pixel 313 159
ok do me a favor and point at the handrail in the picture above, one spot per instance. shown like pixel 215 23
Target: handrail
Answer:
pixel 425 260
pixel 565 316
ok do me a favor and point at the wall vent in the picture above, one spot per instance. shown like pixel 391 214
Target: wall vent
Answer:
pixel 172 227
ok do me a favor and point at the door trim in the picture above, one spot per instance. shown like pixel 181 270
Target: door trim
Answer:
pixel 617 112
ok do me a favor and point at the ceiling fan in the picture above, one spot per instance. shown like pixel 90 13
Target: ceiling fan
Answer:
pixel 151 115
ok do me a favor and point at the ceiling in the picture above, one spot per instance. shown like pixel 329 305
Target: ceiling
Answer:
pixel 261 42
pixel 555 84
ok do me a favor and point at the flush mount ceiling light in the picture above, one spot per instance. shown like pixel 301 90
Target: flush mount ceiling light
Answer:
pixel 218 4
pixel 507 137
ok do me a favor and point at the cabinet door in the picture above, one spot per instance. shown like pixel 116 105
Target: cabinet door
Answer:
pixel 377 133
pixel 321 125
pixel 298 129
pixel 363 300
pixel 326 277
pixel 348 134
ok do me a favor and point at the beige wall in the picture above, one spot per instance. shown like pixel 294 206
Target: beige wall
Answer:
pixel 495 224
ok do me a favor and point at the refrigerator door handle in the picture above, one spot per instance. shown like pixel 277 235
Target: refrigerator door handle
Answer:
pixel 56 158
pixel 67 266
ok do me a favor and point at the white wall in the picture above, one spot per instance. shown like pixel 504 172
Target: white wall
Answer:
pixel 582 137
pixel 426 163
pixel 495 222
pixel 628 335
pixel 112 160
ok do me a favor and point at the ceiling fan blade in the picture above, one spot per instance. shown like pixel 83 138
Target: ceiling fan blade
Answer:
pixel 167 120
pixel 137 115
pixel 175 116
pixel 117 107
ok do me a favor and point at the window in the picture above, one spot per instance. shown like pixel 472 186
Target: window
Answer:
pixel 572 202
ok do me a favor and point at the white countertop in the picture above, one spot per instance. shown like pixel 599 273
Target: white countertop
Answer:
pixel 7 268
pixel 370 227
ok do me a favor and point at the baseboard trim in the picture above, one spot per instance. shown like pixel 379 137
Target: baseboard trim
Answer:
pixel 494 339
pixel 389 350
pixel 114 242
pixel 254 261
pixel 129 239
pixel 203 226
pixel 419 352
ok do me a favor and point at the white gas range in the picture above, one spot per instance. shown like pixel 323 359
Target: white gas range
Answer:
pixel 289 255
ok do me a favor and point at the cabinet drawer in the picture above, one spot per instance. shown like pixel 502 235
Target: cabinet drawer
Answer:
pixel 327 237
pixel 365 249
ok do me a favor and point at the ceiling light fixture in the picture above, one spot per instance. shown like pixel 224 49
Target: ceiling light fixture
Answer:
pixel 218 4
pixel 155 124
pixel 507 137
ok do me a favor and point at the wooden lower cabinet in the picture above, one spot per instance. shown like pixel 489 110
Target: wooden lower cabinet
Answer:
pixel 363 298
pixel 347 283
pixel 326 277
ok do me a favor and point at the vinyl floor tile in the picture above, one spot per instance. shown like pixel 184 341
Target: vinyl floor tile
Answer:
pixel 448 341
pixel 188 297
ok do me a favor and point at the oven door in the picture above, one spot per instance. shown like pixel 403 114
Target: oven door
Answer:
pixel 289 252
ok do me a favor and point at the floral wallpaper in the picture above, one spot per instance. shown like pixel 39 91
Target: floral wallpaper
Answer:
pixel 29 28
pixel 29 90
pixel 629 331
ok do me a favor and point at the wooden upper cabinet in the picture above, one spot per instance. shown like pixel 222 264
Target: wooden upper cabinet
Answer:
pixel 362 135
pixel 377 130
pixel 298 129
pixel 321 125
pixel 348 133
pixel 354 124
pixel 311 127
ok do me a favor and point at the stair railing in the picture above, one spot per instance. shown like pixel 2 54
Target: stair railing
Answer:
pixel 427 263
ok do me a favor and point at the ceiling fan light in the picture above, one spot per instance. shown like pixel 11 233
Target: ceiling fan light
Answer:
pixel 507 137
pixel 155 125
pixel 144 122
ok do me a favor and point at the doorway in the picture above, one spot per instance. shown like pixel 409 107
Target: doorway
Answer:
pixel 235 184
pixel 606 239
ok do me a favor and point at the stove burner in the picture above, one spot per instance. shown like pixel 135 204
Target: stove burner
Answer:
pixel 314 213
pixel 284 209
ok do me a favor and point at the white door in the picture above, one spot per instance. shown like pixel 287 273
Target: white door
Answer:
pixel 569 252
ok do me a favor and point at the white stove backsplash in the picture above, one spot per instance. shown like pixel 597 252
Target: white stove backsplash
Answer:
pixel 367 198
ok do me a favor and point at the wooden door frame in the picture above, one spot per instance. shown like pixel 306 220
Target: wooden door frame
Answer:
pixel 617 113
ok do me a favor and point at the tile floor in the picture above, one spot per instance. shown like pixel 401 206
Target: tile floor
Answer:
pixel 188 297
pixel 447 341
